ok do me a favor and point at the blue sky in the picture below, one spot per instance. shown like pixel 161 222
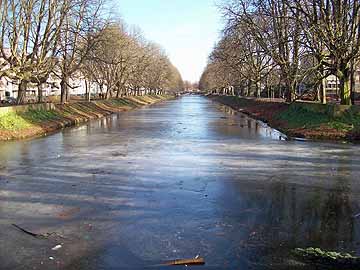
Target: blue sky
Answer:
pixel 186 29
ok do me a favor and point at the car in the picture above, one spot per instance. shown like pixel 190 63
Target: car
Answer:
pixel 9 101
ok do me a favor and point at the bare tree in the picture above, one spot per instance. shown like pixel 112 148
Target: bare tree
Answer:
pixel 127 64
pixel 332 32
pixel 274 28
pixel 80 32
pixel 243 60
pixel 30 31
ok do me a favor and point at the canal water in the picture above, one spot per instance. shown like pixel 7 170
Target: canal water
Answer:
pixel 175 180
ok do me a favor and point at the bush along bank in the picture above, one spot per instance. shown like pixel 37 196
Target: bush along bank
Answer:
pixel 301 119
pixel 39 122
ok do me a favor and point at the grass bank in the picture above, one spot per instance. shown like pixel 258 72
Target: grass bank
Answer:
pixel 34 123
pixel 299 119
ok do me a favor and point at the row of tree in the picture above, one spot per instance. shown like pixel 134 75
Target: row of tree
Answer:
pixel 69 39
pixel 286 48
pixel 125 63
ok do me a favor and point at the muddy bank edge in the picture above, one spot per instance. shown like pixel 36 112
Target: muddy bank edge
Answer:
pixel 301 120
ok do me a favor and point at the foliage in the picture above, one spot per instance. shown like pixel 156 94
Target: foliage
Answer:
pixel 18 121
pixel 12 121
pixel 317 252
pixel 36 116
pixel 300 116
pixel 309 116
pixel 327 259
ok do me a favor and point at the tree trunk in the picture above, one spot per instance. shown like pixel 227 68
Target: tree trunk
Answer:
pixel 280 86
pixel 290 91
pixel 258 86
pixel 323 91
pixel 40 92
pixel 345 88
pixel 87 90
pixel 101 91
pixel 22 92
pixel 352 83
pixel 318 90
pixel 64 89
pixel 280 94
pixel 122 89
pixel 67 93
pixel 107 94
pixel 248 92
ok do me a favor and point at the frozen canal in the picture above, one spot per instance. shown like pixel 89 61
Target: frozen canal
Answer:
pixel 171 181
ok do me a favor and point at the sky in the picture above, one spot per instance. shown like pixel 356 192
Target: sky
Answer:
pixel 186 29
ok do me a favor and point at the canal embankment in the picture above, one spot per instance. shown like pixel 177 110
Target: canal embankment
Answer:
pixel 27 121
pixel 301 119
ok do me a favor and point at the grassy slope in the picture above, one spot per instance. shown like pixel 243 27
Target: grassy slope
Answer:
pixel 40 122
pixel 301 119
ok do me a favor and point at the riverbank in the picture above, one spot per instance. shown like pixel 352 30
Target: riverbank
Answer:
pixel 39 122
pixel 301 120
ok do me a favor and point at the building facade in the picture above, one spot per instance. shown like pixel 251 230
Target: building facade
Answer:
pixel 333 84
pixel 9 88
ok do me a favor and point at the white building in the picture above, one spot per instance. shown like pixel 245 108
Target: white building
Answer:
pixel 9 88
pixel 332 83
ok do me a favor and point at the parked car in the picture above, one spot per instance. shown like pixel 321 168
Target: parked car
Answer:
pixel 9 101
